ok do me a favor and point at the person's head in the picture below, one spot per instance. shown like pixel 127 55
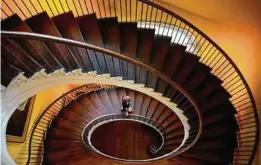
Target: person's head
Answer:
pixel 126 98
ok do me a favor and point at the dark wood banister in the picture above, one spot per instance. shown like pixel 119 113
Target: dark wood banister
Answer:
pixel 221 51
pixel 43 113
pixel 227 58
pixel 35 36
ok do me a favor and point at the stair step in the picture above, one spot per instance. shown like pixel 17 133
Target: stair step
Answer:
pixel 114 99
pixel 73 117
pixel 56 156
pixel 91 33
pixel 57 145
pixel 63 124
pixel 138 103
pixel 68 28
pixel 209 85
pixel 158 55
pixel 16 61
pixel 102 94
pixel 188 160
pixel 92 96
pixel 214 144
pixel 210 157
pixel 175 54
pixel 144 49
pixel 213 131
pixel 88 106
pixel 42 23
pixel 158 111
pixel 213 101
pixel 151 109
pixel 173 126
pixel 164 115
pixel 185 67
pixel 145 104
pixel 78 109
pixel 9 71
pixel 111 40
pixel 174 134
pixel 128 38
pixel 199 73
pixel 172 119
pixel 58 134
pixel 175 141
pixel 33 48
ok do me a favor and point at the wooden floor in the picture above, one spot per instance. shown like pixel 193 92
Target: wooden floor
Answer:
pixel 125 139
pixel 89 158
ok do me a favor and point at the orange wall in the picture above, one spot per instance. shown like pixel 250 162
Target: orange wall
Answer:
pixel 236 27
pixel 42 100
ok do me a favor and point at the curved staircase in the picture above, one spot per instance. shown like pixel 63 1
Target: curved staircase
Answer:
pixel 219 139
pixel 65 133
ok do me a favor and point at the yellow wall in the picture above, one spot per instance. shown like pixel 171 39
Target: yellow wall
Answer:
pixel 42 100
pixel 236 27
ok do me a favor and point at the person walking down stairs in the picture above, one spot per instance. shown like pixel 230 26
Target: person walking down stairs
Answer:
pixel 126 105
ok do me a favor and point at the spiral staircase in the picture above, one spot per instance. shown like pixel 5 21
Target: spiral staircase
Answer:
pixel 190 93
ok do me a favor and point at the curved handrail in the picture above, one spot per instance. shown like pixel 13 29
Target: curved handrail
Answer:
pixel 47 109
pixel 35 36
pixel 94 124
pixel 227 58
pixel 128 16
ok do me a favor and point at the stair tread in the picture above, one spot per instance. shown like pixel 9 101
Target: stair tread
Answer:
pixel 106 101
pixel 158 55
pixel 35 49
pixel 67 25
pixel 15 61
pixel 152 107
pixel 64 135
pixel 114 100
pixel 58 145
pixel 63 124
pixel 144 49
pixel 187 160
pixel 91 33
pixel 138 103
pixel 42 23
pixel 9 73
pixel 111 40
pixel 56 156
pixel 185 67
pixel 145 104
pixel 198 75
pixel 173 59
pixel 78 109
pixel 207 156
pixel 128 38
pixel 158 111
pixel 97 102
pixel 88 106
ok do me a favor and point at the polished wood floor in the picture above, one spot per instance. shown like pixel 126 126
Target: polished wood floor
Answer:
pixel 125 139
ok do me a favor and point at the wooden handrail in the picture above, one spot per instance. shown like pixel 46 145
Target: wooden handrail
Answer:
pixel 136 12
pixel 35 36
pixel 226 57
